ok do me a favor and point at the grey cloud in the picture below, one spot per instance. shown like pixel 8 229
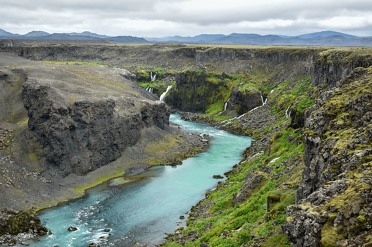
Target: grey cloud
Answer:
pixel 186 16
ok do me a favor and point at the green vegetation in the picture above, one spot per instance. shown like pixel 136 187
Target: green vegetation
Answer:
pixel 298 94
pixel 234 216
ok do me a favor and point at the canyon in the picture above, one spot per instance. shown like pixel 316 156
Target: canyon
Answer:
pixel 74 115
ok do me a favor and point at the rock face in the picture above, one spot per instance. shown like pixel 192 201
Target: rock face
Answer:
pixel 243 101
pixel 334 198
pixel 193 92
pixel 333 66
pixel 82 136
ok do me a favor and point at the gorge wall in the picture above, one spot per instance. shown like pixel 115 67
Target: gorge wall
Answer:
pixel 85 135
pixel 335 194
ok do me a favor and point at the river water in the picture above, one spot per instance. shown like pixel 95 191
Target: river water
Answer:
pixel 142 212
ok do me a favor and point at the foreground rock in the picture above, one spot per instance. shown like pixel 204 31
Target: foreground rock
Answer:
pixel 19 227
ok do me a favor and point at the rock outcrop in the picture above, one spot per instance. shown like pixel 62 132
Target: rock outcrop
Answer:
pixel 82 136
pixel 332 66
pixel 243 101
pixel 193 92
pixel 19 227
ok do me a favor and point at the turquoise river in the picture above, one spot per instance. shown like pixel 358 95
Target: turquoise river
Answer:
pixel 140 213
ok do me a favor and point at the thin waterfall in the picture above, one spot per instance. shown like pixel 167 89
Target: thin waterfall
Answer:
pixel 288 112
pixel 152 77
pixel 162 96
pixel 225 107
pixel 263 101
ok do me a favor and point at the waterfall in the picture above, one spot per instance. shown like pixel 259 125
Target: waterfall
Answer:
pixel 225 107
pixel 162 96
pixel 263 101
pixel 288 112
pixel 152 77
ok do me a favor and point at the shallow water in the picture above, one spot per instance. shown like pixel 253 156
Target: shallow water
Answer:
pixel 143 211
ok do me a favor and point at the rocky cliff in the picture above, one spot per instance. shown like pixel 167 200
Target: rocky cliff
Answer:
pixel 335 194
pixel 81 136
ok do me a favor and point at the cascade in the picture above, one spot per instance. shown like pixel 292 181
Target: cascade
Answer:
pixel 152 77
pixel 162 96
pixel 288 112
pixel 225 107
pixel 263 101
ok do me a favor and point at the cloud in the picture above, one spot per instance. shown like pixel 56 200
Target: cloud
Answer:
pixel 186 17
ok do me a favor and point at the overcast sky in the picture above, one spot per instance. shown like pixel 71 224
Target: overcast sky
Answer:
pixel 155 18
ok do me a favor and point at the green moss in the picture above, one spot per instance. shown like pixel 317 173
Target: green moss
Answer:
pixel 361 218
pixel 80 190
pixel 329 235
pixel 277 240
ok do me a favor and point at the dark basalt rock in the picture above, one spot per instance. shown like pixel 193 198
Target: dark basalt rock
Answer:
pixel 81 137
pixel 243 101
pixel 72 229
pixel 334 198
pixel 217 177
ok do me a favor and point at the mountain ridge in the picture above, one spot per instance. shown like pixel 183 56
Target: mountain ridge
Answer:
pixel 322 38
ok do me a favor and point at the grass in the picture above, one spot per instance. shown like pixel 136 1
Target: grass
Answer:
pixel 240 224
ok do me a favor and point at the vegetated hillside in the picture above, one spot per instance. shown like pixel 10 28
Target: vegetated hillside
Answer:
pixel 309 111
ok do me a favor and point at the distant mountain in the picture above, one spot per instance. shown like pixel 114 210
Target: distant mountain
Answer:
pixel 90 34
pixel 325 34
pixel 86 36
pixel 201 38
pixel 256 39
pixel 36 34
pixel 6 34
pixel 64 36
pixel 324 38
pixel 127 39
